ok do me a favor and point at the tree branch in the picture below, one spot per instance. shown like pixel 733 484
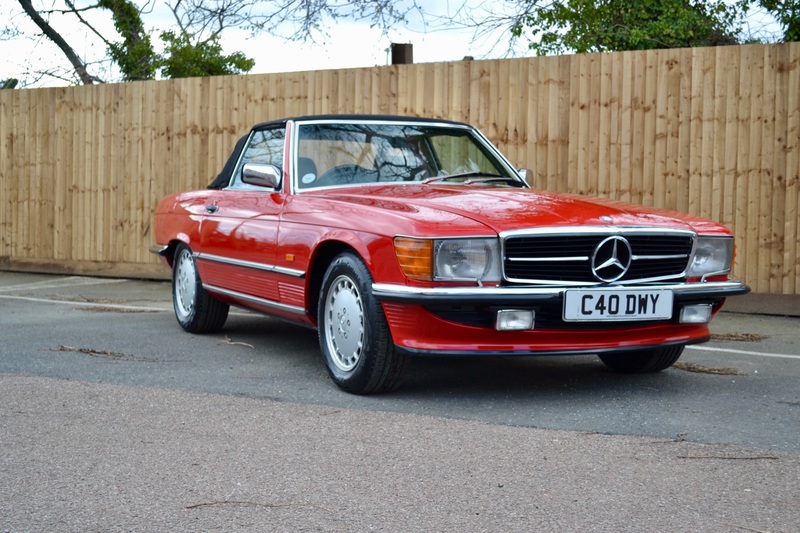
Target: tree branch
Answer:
pixel 53 35
pixel 76 12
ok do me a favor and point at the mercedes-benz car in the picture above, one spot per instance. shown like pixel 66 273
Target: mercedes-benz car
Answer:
pixel 402 237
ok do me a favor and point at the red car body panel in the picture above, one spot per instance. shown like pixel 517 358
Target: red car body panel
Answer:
pixel 422 332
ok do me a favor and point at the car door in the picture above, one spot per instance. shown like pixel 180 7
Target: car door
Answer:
pixel 239 228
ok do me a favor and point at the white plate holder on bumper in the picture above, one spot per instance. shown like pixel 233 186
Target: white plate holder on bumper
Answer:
pixel 610 304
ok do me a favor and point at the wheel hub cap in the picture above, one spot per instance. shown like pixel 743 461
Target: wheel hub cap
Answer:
pixel 345 324
pixel 185 284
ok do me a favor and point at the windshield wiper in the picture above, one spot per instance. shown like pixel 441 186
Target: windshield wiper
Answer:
pixel 481 177
pixel 497 179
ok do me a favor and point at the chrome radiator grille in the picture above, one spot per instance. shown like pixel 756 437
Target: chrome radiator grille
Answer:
pixel 584 258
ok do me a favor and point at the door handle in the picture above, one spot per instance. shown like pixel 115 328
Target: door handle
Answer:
pixel 212 208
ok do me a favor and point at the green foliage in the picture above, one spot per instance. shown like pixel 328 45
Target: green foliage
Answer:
pixel 614 25
pixel 184 58
pixel 135 55
pixel 787 13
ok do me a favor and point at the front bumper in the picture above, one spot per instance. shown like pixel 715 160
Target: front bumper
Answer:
pixel 538 295
pixel 458 320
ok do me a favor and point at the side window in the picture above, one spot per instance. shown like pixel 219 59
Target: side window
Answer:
pixel 264 147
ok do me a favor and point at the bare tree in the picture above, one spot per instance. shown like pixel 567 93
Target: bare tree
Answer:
pixel 202 22
pixel 77 64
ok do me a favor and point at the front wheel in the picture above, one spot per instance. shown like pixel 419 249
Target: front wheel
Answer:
pixel 640 362
pixel 196 310
pixel 353 334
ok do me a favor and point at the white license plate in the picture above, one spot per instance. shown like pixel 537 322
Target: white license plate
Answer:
pixel 599 305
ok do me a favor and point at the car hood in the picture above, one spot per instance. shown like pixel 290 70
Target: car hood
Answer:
pixel 505 209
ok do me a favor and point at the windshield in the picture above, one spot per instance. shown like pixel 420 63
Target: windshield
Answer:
pixel 343 154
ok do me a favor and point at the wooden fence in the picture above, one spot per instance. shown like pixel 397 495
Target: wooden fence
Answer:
pixel 710 131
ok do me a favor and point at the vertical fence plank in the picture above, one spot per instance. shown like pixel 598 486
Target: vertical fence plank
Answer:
pixel 545 132
pixel 110 175
pixel 578 125
pixel 33 196
pixel 684 141
pixel 707 95
pixel 564 120
pixel 639 103
pixel 508 106
pixel 614 117
pixel 602 119
pixel 626 137
pixel 749 149
pixel 133 140
pixel 720 132
pixel 539 130
pixel 85 172
pixel 19 187
pixel 62 151
pixel 459 93
pixel 672 111
pixel 651 146
pixel 7 160
pixel 591 115
pixel 770 222
pixel 791 256
pixel 781 201
pixel 729 188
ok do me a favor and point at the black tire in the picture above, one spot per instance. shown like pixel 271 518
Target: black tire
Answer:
pixel 196 310
pixel 353 334
pixel 640 362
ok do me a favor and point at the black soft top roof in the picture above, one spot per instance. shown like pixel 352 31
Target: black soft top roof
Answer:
pixel 224 177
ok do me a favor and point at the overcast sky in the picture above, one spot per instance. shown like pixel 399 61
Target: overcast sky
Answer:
pixel 346 45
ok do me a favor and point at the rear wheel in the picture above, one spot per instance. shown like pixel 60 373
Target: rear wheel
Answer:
pixel 639 362
pixel 196 310
pixel 353 334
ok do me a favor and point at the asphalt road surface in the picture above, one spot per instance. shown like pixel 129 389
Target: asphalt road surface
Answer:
pixel 115 419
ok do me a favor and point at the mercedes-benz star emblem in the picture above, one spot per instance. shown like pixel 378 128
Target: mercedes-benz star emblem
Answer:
pixel 611 259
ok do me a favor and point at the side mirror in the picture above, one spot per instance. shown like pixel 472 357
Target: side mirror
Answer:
pixel 267 176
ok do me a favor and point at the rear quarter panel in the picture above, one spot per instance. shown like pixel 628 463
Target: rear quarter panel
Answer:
pixel 178 216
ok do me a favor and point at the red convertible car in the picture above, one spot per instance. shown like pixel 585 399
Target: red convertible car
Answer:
pixel 397 237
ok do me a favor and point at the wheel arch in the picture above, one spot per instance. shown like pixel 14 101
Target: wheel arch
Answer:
pixel 322 257
pixel 169 251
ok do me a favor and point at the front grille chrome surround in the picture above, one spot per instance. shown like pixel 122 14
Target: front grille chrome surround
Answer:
pixel 565 256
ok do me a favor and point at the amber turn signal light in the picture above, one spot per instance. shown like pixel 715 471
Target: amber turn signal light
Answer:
pixel 415 257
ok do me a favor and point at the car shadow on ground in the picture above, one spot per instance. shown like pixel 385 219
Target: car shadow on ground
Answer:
pixel 465 376
pixel 524 376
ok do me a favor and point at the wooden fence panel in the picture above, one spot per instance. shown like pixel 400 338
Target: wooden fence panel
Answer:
pixel 711 131
pixel 791 259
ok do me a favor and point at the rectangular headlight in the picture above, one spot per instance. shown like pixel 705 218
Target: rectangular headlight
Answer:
pixel 712 256
pixel 474 259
